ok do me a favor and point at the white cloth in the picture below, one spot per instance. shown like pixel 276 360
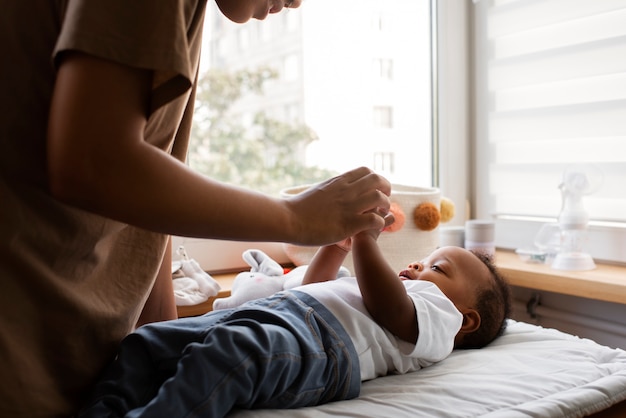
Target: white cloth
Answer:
pixel 196 286
pixel 380 352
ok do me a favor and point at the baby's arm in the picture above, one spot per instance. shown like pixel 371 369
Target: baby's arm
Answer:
pixel 383 293
pixel 326 262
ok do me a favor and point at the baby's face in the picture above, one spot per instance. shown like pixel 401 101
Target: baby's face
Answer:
pixel 454 270
pixel 240 11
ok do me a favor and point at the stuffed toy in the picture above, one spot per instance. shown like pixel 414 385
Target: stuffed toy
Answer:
pixel 265 278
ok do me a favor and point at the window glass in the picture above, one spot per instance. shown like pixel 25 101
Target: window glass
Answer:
pixel 383 117
pixel 382 68
pixel 297 102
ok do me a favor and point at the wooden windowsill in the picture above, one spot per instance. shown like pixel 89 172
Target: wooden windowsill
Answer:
pixel 605 282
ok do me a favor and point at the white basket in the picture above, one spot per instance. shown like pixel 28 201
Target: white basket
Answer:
pixel 400 247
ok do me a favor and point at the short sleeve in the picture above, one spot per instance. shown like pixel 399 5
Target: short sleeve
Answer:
pixel 439 322
pixel 163 36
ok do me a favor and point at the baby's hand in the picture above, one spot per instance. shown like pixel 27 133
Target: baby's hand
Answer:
pixel 346 244
pixel 374 233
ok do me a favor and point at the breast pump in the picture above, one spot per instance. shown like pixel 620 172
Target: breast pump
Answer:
pixel 573 221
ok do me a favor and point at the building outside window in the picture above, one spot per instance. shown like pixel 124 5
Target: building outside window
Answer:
pixel 383 68
pixel 384 162
pixel 307 82
pixel 382 117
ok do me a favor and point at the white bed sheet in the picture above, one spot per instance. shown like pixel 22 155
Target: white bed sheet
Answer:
pixel 528 372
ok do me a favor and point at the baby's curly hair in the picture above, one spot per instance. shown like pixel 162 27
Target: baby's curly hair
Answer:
pixel 493 303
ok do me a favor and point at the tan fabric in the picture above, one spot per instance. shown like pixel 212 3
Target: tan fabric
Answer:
pixel 72 284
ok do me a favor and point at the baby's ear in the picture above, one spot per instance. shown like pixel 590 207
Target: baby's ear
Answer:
pixel 471 321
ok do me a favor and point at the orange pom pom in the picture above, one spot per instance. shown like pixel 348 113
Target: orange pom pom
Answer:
pixel 426 216
pixel 398 215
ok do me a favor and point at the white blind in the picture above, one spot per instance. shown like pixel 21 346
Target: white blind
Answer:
pixel 551 92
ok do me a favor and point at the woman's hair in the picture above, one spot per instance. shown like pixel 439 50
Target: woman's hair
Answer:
pixel 493 303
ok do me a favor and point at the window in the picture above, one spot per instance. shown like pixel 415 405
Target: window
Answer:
pixel 551 94
pixel 384 162
pixel 291 68
pixel 243 38
pixel 382 68
pixel 254 129
pixel 383 117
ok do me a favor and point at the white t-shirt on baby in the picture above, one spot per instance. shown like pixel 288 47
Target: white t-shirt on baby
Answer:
pixel 380 352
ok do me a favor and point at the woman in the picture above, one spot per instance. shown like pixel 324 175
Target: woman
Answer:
pixel 96 110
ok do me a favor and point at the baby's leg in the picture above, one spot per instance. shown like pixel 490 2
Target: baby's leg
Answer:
pixel 146 358
pixel 239 364
pixel 277 354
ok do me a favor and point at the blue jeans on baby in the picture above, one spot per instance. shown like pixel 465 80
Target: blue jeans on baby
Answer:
pixel 285 351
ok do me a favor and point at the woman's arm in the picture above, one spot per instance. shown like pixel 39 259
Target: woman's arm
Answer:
pixel 383 293
pixel 98 160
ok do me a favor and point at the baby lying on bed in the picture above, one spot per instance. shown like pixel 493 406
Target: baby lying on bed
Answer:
pixel 311 344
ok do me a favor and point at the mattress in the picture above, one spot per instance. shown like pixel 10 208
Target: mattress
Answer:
pixel 528 372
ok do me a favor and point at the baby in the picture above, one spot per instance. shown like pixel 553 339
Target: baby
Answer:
pixel 311 344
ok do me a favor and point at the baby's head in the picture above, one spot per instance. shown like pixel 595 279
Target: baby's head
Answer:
pixel 493 303
pixel 472 282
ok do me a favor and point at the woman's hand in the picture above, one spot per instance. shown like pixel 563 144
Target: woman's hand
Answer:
pixel 340 207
